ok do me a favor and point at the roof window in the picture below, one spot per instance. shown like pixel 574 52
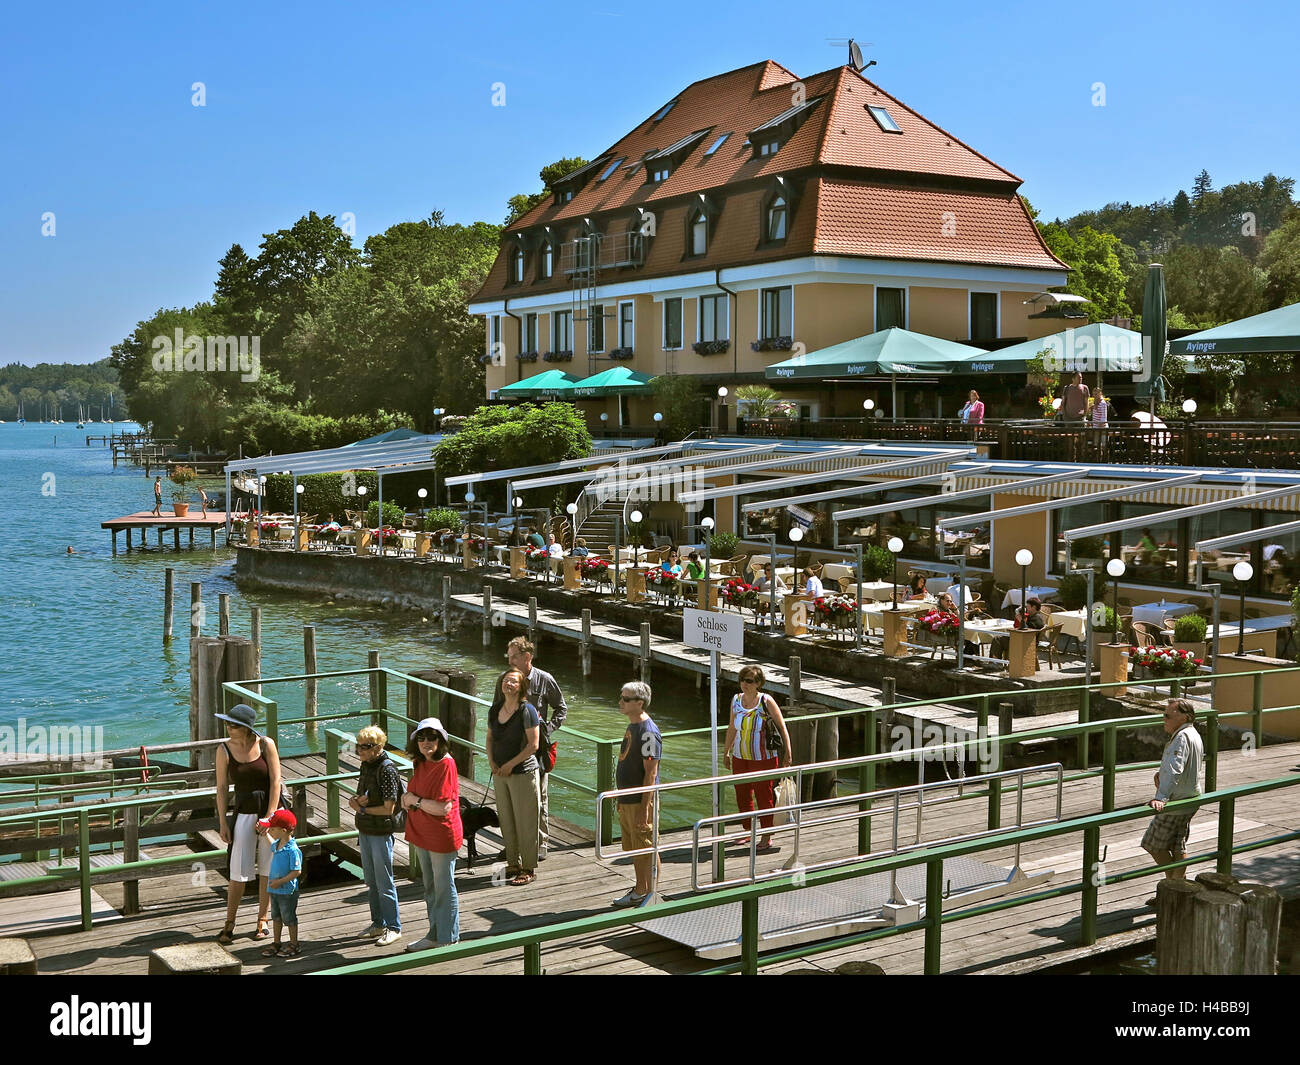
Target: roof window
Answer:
pixel 883 118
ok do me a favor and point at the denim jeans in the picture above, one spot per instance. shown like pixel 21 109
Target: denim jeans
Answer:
pixel 377 865
pixel 438 872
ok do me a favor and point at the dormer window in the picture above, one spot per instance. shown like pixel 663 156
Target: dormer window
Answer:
pixel 769 147
pixel 567 195
pixel 658 165
pixel 659 172
pixel 768 138
pixel 546 264
pixel 699 233
pixel 777 212
pixel 517 265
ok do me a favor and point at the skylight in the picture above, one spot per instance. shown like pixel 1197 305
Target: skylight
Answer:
pixel 717 144
pixel 663 111
pixel 883 118
pixel 610 169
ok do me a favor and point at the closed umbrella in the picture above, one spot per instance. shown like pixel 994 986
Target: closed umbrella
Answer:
pixel 1154 335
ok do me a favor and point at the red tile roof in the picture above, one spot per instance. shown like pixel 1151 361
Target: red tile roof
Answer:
pixel 886 190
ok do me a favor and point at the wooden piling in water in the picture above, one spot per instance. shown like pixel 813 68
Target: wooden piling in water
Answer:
pixel 196 608
pixel 796 680
pixel 644 658
pixel 223 614
pixel 532 619
pixel 131 853
pixel 372 663
pixel 1216 925
pixel 255 631
pixel 487 615
pixel 169 588
pixel 446 605
pixel 584 647
pixel 309 666
pixel 459 716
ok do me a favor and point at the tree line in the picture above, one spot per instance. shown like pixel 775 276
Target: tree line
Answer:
pixel 50 391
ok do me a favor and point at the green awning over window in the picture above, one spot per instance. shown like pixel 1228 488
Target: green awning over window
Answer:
pixel 547 383
pixel 886 352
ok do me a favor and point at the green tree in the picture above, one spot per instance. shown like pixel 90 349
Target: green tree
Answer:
pixel 235 291
pixel 1280 261
pixel 524 202
pixel 1096 271
pixel 679 399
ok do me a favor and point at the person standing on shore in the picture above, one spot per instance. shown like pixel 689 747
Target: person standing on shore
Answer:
pixel 511 742
pixel 638 766
pixel 1179 777
pixel 749 750
pixel 543 691
pixel 433 829
pixel 157 496
pixel 378 791
pixel 250 763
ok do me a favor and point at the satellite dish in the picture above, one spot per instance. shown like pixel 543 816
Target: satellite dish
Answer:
pixel 855 54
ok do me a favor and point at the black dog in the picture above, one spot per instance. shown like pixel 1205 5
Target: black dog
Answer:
pixel 473 819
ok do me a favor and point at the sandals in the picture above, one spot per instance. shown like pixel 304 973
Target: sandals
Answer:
pixel 270 950
pixel 227 935
pixel 524 878
pixel 289 950
pixel 262 931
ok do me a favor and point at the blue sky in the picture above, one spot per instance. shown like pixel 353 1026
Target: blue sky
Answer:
pixel 386 112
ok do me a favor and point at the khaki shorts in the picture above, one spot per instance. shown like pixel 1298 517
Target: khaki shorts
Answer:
pixel 634 837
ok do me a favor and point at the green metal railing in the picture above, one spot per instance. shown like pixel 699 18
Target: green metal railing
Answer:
pixel 530 941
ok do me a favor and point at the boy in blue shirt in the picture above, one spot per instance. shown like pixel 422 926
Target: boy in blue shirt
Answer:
pixel 282 881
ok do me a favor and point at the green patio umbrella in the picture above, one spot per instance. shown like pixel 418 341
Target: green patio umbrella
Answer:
pixel 1087 348
pixel 616 381
pixel 1154 336
pixel 1276 331
pixel 889 352
pixel 546 383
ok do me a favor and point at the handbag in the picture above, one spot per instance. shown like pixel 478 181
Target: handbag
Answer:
pixel 786 795
pixel 773 741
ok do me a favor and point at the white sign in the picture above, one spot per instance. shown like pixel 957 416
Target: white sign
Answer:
pixel 713 632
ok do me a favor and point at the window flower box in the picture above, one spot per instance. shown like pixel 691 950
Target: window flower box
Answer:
pixel 773 344
pixel 556 356
pixel 621 353
pixel 711 347
pixel 527 356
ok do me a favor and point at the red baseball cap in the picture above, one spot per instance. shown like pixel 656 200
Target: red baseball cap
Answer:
pixel 279 819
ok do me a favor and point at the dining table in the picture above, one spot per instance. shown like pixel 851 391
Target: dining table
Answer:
pixel 1155 613
pixel 1012 598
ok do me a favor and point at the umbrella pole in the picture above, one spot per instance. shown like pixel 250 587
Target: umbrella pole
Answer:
pixel 893 403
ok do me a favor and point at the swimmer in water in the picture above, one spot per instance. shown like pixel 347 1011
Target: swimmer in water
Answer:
pixel 70 551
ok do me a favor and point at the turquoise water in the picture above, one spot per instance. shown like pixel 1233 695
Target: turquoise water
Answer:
pixel 82 633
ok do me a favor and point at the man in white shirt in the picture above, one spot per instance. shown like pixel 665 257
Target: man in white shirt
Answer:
pixel 812 588
pixel 1179 778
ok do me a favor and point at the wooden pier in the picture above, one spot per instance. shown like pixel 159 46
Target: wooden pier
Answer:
pixel 145 519
pixel 188 907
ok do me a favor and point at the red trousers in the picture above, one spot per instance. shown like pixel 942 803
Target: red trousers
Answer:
pixel 764 791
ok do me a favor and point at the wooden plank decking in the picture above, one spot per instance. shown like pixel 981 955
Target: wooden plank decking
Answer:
pixel 188 905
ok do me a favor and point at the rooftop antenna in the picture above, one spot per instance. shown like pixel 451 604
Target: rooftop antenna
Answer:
pixel 855 52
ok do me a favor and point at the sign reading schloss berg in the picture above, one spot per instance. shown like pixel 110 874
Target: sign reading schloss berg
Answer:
pixel 713 632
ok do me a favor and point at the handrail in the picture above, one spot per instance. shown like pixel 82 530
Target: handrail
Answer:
pixel 531 940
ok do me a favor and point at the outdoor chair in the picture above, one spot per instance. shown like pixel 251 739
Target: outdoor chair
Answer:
pixel 738 564
pixel 848 585
pixel 1047 640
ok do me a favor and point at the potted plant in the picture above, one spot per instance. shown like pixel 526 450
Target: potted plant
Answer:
pixel 1090 554
pixel 1072 590
pixel 181 476
pixel 741 595
pixel 711 347
pixel 723 545
pixel 1189 634
pixel 877 563
pixel 1163 662
pixel 1104 625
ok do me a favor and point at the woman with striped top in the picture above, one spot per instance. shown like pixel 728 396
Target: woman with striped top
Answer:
pixel 747 750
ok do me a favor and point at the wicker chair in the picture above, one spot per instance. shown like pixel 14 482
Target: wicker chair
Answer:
pixel 1047 640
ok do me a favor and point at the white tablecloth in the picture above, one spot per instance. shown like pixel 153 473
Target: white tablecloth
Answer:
pixel 986 631
pixel 1012 598
pixel 1072 622
pixel 879 591
pixel 1155 613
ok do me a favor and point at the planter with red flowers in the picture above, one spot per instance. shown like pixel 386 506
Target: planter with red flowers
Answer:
pixel 663 583
pixel 742 596
pixel 837 612
pixel 595 570
pixel 1160 662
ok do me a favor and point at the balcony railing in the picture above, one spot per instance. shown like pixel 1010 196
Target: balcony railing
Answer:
pixel 602 252
pixel 1238 445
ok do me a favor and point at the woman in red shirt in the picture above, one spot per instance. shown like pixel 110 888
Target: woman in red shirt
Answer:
pixel 433 828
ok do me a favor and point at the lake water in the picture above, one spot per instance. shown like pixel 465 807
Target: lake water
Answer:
pixel 82 633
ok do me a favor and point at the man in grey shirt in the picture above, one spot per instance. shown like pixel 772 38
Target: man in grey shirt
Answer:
pixel 1179 778
pixel 544 693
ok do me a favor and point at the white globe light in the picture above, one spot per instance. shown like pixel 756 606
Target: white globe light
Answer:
pixel 707 523
pixel 1056 403
pixel 300 489
pixel 796 534
pixel 604 417
pixel 572 508
pixel 1115 567
pixel 1243 571
pixel 868 404
pixel 519 500
pixel 469 495
pixel 423 493
pixel 1189 406
pixel 658 417
pixel 895 545
pixel 880 413
pixel 636 517
pixel 1024 557
pixel 722 392
pixel 362 490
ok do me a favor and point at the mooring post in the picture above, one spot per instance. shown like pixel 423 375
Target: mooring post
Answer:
pixel 223 614
pixel 128 540
pixel 255 626
pixel 796 681
pixel 584 648
pixel 532 618
pixel 446 605
pixel 645 652
pixel 115 541
pixel 309 666
pixel 378 689
pixel 169 589
pixel 176 537
pixel 487 615
pixel 131 853
pixel 196 608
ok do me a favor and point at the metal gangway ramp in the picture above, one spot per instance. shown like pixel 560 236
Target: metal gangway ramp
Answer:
pixel 874 900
